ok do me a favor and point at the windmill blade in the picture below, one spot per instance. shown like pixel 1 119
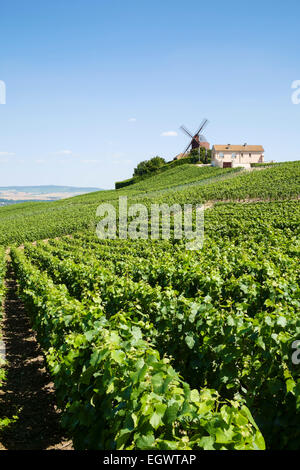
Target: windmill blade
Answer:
pixel 202 126
pixel 184 129
pixel 187 148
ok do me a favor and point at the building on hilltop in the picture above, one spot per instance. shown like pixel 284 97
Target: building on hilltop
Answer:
pixel 231 156
pixel 196 145
pixel 196 140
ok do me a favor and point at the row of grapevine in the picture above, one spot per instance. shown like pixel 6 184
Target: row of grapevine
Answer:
pixel 225 317
pixel 230 276
pixel 116 390
pixel 277 182
pixel 186 175
pixel 209 270
pixel 2 292
pixel 34 221
pixel 2 274
pixel 237 312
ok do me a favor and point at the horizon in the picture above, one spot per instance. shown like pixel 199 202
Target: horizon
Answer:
pixel 17 194
pixel 93 88
pixel 47 185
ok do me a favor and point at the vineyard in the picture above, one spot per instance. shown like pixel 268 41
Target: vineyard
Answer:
pixel 2 275
pixel 2 292
pixel 34 221
pixel 184 175
pixel 152 346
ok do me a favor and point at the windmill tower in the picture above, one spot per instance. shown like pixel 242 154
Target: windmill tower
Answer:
pixel 197 140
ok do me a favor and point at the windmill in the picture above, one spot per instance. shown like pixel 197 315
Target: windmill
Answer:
pixel 197 140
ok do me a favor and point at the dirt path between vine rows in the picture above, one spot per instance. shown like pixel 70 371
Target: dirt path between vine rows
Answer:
pixel 27 392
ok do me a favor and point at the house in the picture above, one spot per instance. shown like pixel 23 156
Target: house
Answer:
pixel 231 156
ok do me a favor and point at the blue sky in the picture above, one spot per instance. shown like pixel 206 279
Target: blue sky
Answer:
pixel 93 84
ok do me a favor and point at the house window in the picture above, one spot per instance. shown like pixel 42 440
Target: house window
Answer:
pixel 234 155
pixel 221 155
pixel 250 155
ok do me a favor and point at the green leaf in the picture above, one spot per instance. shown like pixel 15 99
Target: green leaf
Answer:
pixel 155 420
pixel 261 343
pixel 90 334
pixel 97 357
pixel 281 321
pixel 224 436
pixel 157 382
pixel 195 397
pixel 207 443
pixel 171 413
pixel 145 442
pixel 118 356
pixel 123 436
pixel 290 385
pixel 190 341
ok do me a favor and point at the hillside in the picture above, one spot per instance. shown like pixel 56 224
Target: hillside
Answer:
pixel 141 335
pixel 184 184
pixel 181 175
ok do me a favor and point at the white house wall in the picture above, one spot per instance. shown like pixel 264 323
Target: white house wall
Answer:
pixel 239 160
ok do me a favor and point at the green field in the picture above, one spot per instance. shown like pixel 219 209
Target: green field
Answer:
pixel 34 221
pixel 152 346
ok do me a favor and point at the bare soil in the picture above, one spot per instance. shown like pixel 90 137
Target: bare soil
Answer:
pixel 28 391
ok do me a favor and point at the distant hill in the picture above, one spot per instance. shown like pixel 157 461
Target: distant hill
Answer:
pixel 48 189
pixel 14 194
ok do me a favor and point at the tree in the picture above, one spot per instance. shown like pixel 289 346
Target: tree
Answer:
pixel 205 155
pixel 149 166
